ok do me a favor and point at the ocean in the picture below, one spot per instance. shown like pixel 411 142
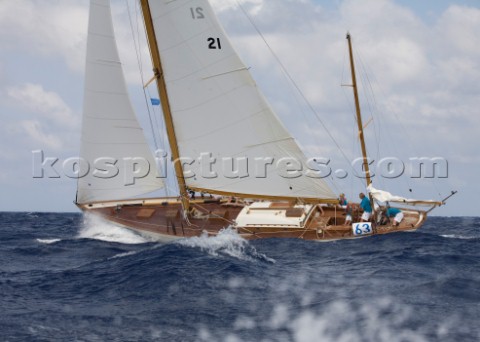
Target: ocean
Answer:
pixel 64 277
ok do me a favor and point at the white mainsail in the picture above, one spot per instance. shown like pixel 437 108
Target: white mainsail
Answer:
pixel 217 108
pixel 110 128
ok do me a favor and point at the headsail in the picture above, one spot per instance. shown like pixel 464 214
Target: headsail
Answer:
pixel 385 196
pixel 110 128
pixel 217 108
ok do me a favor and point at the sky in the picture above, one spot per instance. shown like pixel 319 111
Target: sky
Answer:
pixel 420 92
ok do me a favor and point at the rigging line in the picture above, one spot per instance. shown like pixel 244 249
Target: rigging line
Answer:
pixel 166 147
pixel 348 99
pixel 337 190
pixel 301 108
pixel 309 105
pixel 141 73
pixel 159 124
pixel 155 127
pixel 372 103
pixel 155 115
pixel 367 93
pixel 160 127
pixel 232 222
pixel 295 95
pixel 354 129
pixel 370 96
pixel 167 188
pixel 405 132
pixel 370 100
pixel 355 147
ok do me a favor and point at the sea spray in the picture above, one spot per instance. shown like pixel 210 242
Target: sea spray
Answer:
pixel 226 242
pixel 385 319
pixel 95 227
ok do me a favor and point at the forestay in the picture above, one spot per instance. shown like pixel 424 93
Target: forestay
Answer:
pixel 217 108
pixel 110 130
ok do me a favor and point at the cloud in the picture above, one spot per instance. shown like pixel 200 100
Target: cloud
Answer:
pixel 38 119
pixel 255 5
pixel 46 27
pixel 46 103
pixel 459 27
pixel 36 133
pixel 419 69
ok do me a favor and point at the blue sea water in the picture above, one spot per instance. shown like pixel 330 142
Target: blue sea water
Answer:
pixel 67 278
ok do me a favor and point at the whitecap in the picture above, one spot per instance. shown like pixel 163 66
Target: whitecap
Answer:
pixel 226 242
pixel 48 241
pixel 96 228
pixel 461 237
pixel 121 255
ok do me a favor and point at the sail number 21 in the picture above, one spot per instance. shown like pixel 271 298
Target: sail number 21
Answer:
pixel 197 13
pixel 214 43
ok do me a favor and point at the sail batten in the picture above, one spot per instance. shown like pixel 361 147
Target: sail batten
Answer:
pixel 113 145
pixel 217 108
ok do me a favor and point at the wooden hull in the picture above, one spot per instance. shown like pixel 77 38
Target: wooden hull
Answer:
pixel 162 219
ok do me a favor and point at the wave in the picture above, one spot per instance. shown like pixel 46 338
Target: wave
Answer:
pixel 96 228
pixel 382 320
pixel 121 255
pixel 461 237
pixel 48 241
pixel 226 242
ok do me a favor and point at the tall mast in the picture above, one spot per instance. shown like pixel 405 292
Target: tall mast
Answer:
pixel 359 114
pixel 167 113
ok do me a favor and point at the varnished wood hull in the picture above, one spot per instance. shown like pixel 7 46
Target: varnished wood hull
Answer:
pixel 162 219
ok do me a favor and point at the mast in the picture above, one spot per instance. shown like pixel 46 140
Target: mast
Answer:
pixel 162 91
pixel 359 114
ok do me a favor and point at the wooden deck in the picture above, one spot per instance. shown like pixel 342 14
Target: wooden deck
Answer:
pixel 164 220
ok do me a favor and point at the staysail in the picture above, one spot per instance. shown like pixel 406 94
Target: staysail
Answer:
pixel 218 111
pixel 385 196
pixel 115 155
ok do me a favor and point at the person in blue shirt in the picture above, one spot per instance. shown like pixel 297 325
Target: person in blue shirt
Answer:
pixel 396 214
pixel 343 203
pixel 367 208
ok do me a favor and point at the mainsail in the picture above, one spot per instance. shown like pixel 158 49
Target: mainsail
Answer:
pixel 110 130
pixel 217 108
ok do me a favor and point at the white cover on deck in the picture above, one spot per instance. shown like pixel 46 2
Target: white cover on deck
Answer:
pixel 385 196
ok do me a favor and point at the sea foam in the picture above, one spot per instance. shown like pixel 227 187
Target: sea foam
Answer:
pixel 96 228
pixel 226 242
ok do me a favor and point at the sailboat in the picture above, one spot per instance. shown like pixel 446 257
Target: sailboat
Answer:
pixel 213 111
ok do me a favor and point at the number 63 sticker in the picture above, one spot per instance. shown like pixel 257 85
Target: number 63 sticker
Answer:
pixel 362 228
